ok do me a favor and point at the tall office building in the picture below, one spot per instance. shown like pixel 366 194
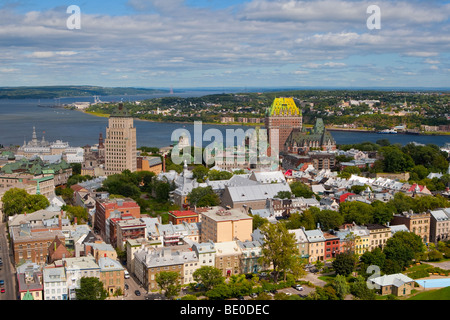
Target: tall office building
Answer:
pixel 281 118
pixel 120 143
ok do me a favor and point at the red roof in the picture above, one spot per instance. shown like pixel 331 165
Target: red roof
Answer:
pixel 343 197
pixel 186 213
pixel 413 187
pixel 288 173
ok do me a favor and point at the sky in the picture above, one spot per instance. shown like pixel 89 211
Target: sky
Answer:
pixel 225 43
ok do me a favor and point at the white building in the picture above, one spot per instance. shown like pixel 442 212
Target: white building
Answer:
pixel 55 283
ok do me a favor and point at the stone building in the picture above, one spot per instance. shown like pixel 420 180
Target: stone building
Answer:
pixel 120 143
pixel 282 117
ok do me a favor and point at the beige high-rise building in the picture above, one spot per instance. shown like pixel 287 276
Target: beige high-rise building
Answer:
pixel 120 143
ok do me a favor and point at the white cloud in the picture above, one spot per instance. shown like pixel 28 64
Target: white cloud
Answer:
pixel 329 64
pixel 421 54
pixel 430 61
pixel 301 72
pixel 50 54
pixel 171 37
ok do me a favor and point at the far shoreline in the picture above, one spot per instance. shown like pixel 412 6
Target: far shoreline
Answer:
pixel 105 115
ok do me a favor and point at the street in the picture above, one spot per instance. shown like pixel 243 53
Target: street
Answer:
pixel 6 269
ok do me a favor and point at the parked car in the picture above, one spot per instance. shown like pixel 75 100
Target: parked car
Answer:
pixel 137 292
pixel 3 290
pixel 2 282
pixel 253 295
pixel 298 287
pixel 241 298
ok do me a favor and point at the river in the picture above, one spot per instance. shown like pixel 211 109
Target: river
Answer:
pixel 18 117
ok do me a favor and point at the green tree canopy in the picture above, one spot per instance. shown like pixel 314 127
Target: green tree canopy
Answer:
pixel 299 189
pixel 18 201
pixel 403 247
pixel 203 197
pixel 278 247
pixel 344 263
pixel 91 288
pixel 356 211
pixel 329 219
pixel 168 281
pixel 208 276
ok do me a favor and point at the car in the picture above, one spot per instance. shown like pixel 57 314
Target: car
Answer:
pixel 298 287
pixel 137 292
pixel 2 282
pixel 126 286
pixel 273 291
pixel 3 290
pixel 241 298
pixel 253 295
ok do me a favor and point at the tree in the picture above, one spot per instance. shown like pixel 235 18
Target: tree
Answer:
pixel 91 288
pixel 219 175
pixel 219 292
pixel 162 191
pixel 394 160
pixel 341 286
pixel 360 289
pixel 344 263
pixel 382 212
pixel 298 267
pixel 258 221
pixel 203 197
pixel 299 189
pixel 35 202
pixel 208 276
pixel 283 195
pixel 77 212
pixel 278 247
pixel 200 172
pixel 403 247
pixel 329 219
pixel 375 257
pixel 18 201
pixel 357 212
pixel 305 219
pixel 168 281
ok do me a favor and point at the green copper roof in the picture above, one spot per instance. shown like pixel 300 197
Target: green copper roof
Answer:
pixel 28 296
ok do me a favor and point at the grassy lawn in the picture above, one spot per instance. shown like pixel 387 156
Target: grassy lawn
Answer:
pixel 439 294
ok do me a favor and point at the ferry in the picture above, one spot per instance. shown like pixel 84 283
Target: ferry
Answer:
pixel 388 131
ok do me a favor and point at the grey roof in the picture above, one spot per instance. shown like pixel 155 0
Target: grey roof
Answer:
pixel 157 257
pixel 399 227
pixel 108 264
pixel 256 192
pixel 54 274
pixel 314 235
pixel 440 215
pixel 397 279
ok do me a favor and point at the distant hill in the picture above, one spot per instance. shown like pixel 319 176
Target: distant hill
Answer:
pixel 50 92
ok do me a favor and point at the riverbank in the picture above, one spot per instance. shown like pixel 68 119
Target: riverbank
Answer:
pixel 106 115
pixel 329 128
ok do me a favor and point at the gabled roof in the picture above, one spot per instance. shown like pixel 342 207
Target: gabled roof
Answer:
pixel 397 279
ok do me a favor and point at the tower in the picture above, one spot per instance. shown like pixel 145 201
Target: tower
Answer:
pixel 120 143
pixel 281 118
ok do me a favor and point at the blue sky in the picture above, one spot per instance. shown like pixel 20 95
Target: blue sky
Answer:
pixel 234 43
